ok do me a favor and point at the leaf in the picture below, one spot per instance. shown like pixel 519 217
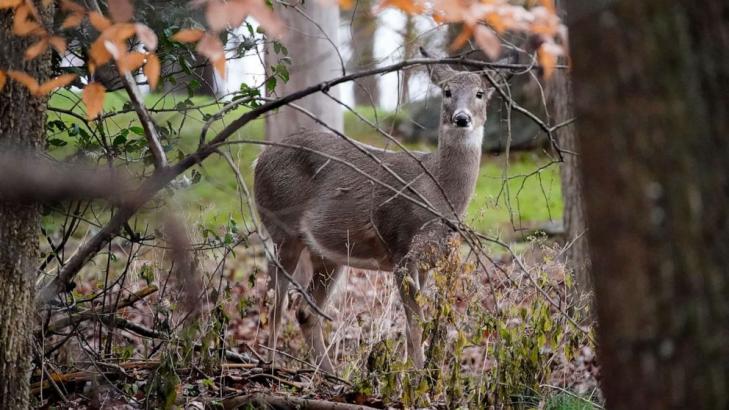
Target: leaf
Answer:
pixel 549 5
pixel 547 56
pixel 273 25
pixel 146 36
pixel 120 32
pixel 98 21
pixel 152 70
pixel 29 82
pixel 93 97
pixel 3 79
pixel 211 47
pixel 72 21
pixel 462 38
pixel 58 43
pixel 23 24
pixel 72 7
pixel 488 42
pixel 121 10
pixel 9 4
pixel 98 54
pixel 130 61
pixel 58 82
pixel 408 6
pixel 219 65
pixel 36 49
pixel 188 35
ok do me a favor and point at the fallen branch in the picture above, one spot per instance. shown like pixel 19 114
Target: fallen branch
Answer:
pixel 269 401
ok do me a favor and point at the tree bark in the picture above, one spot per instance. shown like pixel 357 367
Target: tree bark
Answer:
pixel 363 29
pixel 312 39
pixel 22 126
pixel 650 82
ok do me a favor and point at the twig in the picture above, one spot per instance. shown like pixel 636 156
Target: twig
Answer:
pixel 262 400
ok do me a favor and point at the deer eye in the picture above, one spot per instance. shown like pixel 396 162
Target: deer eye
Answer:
pixel 479 95
pixel 447 93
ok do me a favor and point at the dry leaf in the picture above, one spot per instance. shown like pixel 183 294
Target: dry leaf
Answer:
pixel 121 10
pixel 36 49
pixel 93 97
pixel 98 53
pixel 3 79
pixel 60 81
pixel 152 70
pixel 129 62
pixel 9 4
pixel 488 42
pixel 211 47
pixel 72 7
pixel 29 82
pixel 58 43
pixel 72 21
pixel 462 38
pixel 547 55
pixel 23 23
pixel 188 35
pixel 408 6
pixel 549 5
pixel 99 22
pixel 146 36
pixel 120 32
pixel 271 24
pixel 219 65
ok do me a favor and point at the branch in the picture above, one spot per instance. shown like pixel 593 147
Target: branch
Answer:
pixel 150 131
pixel 269 401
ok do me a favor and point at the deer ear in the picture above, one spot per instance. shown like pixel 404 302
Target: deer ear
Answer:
pixel 439 73
pixel 488 92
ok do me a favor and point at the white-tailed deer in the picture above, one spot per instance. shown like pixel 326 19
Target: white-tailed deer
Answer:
pixel 328 212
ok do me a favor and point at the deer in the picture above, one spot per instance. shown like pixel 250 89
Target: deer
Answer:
pixel 326 215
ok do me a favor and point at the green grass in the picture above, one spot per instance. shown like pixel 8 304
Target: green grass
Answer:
pixel 498 205
pixel 568 401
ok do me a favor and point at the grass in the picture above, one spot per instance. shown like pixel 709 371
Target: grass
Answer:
pixel 507 197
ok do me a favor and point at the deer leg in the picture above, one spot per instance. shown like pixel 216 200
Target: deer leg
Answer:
pixel 407 278
pixel 288 255
pixel 325 275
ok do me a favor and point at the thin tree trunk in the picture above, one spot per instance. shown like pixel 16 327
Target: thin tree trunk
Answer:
pixel 650 82
pixel 363 29
pixel 312 50
pixel 22 125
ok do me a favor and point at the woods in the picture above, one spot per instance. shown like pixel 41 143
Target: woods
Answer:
pixel 183 185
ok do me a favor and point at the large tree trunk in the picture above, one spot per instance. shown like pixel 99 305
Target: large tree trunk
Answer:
pixel 22 125
pixel 650 81
pixel 363 29
pixel 312 48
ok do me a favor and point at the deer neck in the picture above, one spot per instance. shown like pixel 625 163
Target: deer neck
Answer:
pixel 458 162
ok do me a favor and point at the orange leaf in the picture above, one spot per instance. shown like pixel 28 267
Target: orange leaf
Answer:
pixel 547 56
pixel 346 4
pixel 120 32
pixel 93 97
pixel 267 19
pixel 3 79
pixel 219 65
pixel 211 47
pixel 98 53
pixel 72 7
pixel 130 62
pixel 462 38
pixel 152 70
pixel 408 6
pixel 549 5
pixel 121 10
pixel 59 43
pixel 60 81
pixel 99 22
pixel 23 23
pixel 146 36
pixel 36 49
pixel 488 42
pixel 188 35
pixel 72 21
pixel 9 4
pixel 29 82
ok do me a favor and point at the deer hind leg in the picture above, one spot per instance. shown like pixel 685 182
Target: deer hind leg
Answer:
pixel 287 254
pixel 325 275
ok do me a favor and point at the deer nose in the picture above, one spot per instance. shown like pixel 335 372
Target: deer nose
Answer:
pixel 461 119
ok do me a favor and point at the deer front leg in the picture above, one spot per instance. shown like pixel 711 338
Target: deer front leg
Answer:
pixel 408 283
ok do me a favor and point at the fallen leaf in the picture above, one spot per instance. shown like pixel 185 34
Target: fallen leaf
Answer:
pixel 93 97
pixel 152 70
pixel 9 4
pixel 70 6
pixel 72 21
pixel 58 43
pixel 3 79
pixel 146 36
pixel 121 10
pixel 188 35
pixel 36 49
pixel 488 42
pixel 99 22
pixel 58 82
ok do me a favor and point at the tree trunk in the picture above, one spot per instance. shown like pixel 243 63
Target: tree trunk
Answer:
pixel 650 83
pixel 363 29
pixel 314 59
pixel 22 125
